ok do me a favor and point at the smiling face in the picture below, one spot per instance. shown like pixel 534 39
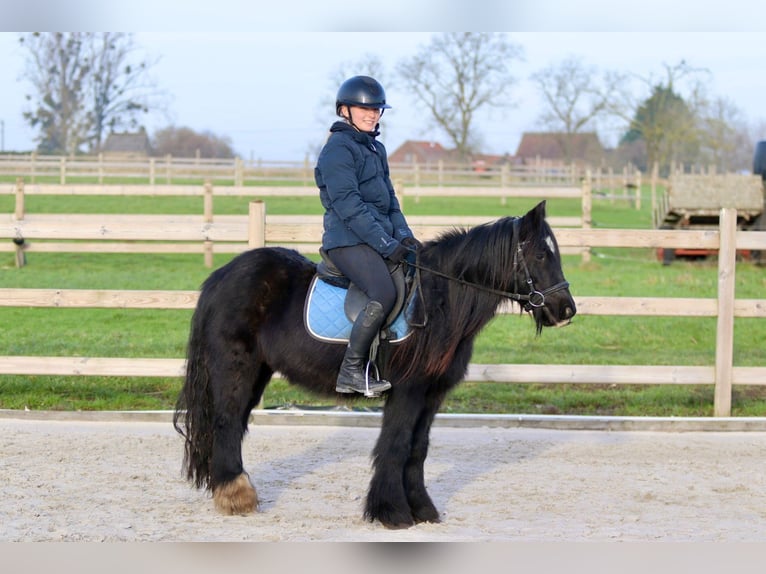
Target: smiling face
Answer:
pixel 364 119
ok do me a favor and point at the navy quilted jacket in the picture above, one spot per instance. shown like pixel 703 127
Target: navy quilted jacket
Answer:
pixel 356 191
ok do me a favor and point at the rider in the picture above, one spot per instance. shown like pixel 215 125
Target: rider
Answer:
pixel 363 223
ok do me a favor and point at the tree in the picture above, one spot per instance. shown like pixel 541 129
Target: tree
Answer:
pixel 576 98
pixel 665 121
pixel 57 66
pixel 185 142
pixel 84 83
pixel 725 142
pixel 668 127
pixel 458 74
pixel 119 86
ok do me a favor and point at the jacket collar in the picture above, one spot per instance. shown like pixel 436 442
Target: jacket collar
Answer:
pixel 365 138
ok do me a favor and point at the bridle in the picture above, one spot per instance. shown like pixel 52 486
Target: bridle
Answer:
pixel 532 300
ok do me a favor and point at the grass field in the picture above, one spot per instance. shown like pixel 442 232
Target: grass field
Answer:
pixel 508 339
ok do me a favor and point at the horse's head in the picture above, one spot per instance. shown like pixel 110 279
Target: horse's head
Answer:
pixel 538 273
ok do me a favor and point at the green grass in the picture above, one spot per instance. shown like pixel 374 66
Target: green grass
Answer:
pixel 508 339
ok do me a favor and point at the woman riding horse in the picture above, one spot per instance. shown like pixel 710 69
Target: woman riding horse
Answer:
pixel 363 224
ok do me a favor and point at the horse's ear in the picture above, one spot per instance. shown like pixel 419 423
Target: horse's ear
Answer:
pixel 537 213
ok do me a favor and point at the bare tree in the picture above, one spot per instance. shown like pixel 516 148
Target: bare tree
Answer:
pixel 57 66
pixel 368 64
pixel 458 74
pixel 576 97
pixel 84 83
pixel 724 138
pixel 119 87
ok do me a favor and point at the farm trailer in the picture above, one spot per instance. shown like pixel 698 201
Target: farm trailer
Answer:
pixel 695 202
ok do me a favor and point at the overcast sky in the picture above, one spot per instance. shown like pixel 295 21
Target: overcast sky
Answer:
pixel 263 87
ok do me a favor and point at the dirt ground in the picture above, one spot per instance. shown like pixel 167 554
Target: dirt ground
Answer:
pixel 121 481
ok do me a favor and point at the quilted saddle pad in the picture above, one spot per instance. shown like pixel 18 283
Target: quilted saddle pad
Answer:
pixel 326 320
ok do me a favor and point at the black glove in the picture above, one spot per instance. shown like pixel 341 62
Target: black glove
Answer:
pixel 399 254
pixel 412 243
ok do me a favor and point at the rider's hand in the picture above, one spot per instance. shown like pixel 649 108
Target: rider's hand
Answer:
pixel 412 243
pixel 400 253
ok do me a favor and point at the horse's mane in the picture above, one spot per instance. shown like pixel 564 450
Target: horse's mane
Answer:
pixel 454 312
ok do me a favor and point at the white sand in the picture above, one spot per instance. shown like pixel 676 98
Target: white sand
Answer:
pixel 121 481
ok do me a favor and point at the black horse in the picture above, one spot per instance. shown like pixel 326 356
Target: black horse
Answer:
pixel 248 324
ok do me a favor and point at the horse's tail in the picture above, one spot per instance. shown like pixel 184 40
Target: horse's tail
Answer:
pixel 193 412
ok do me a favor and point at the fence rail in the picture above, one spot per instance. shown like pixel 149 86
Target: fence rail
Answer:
pixel 263 231
pixel 220 233
pixel 167 170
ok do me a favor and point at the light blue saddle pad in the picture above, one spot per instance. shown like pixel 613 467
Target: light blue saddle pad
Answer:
pixel 326 319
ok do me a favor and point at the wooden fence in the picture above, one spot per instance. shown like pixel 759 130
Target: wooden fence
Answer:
pixel 723 374
pixel 207 232
pixel 168 170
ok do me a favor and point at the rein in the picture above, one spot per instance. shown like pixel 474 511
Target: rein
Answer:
pixel 533 300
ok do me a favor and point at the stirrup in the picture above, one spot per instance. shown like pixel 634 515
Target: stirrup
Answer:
pixel 367 391
pixel 384 385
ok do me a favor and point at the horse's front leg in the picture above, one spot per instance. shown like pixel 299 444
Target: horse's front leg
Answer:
pixel 387 499
pixel 421 505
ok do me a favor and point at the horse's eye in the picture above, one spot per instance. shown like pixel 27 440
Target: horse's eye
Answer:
pixel 540 255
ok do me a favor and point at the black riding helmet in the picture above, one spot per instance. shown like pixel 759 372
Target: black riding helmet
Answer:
pixel 361 91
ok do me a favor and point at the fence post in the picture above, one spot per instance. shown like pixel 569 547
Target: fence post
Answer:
pixel 62 170
pixel 100 168
pixel 208 218
pixel 32 166
pixel 18 214
pixel 238 172
pixel 655 176
pixel 587 209
pixel 399 192
pixel 416 174
pixel 256 225
pixel 152 170
pixel 167 169
pixel 724 345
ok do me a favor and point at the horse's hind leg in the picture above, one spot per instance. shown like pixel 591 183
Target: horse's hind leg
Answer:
pixel 233 399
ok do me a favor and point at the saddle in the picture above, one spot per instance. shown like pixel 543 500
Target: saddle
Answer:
pixel 333 303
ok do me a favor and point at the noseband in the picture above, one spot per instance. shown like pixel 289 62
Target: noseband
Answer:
pixel 533 300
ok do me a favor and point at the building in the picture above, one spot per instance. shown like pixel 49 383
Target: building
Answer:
pixel 127 145
pixel 420 152
pixel 431 153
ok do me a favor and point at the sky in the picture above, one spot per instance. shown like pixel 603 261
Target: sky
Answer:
pixel 264 80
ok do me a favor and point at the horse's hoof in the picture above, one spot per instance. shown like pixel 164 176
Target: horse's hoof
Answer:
pixel 392 520
pixel 236 497
pixel 397 525
pixel 431 515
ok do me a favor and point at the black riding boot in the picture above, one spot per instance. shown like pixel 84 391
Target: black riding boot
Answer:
pixel 354 376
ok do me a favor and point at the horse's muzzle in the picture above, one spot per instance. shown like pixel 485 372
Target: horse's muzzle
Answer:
pixel 558 311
